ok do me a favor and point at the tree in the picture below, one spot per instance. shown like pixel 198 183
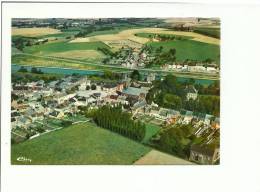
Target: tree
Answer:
pixel 35 70
pixel 93 87
pixel 114 119
pixel 135 75
pixel 22 69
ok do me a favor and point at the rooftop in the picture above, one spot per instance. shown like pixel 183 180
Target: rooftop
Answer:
pixel 134 91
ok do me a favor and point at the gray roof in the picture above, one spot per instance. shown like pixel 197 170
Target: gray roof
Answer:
pixel 189 113
pixel 134 91
pixel 139 104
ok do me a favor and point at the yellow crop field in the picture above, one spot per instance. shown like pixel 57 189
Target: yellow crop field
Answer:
pixel 130 35
pixel 33 32
pixel 79 54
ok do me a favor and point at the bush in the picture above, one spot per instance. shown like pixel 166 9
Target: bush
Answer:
pixel 66 123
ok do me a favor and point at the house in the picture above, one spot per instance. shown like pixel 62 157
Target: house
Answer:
pixel 122 99
pixel 22 121
pixel 61 98
pixel 204 154
pixel 208 119
pixel 57 114
pixel 110 88
pixel 150 77
pixel 137 93
pixel 211 69
pixel 216 123
pixel 188 117
pixel 120 87
pixel 191 92
pixel 138 106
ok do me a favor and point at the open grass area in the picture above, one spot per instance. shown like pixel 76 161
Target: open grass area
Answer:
pixel 189 49
pixel 44 62
pixel 151 130
pixel 80 54
pixel 79 144
pixel 57 47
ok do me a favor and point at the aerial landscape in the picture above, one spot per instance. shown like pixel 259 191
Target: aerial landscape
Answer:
pixel 115 91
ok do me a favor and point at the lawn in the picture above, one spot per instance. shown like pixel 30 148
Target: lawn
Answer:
pixel 79 144
pixel 55 47
pixel 189 49
pixel 151 130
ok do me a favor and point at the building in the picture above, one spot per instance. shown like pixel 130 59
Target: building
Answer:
pixel 204 155
pixel 150 77
pixel 110 88
pixel 138 93
pixel 188 117
pixel 191 92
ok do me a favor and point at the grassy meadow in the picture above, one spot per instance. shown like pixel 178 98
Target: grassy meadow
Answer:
pixel 55 47
pixel 79 144
pixel 189 49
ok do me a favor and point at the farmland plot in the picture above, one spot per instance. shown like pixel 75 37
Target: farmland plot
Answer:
pixel 34 32
pixel 130 34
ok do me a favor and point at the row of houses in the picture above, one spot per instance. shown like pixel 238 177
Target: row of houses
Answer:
pixel 187 68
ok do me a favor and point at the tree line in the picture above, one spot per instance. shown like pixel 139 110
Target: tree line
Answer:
pixel 170 93
pixel 114 119
pixel 175 140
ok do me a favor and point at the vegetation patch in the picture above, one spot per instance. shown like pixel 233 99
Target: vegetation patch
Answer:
pixel 189 49
pixel 83 143
pixel 79 54
pixel 58 47
pixel 151 130
pixel 212 32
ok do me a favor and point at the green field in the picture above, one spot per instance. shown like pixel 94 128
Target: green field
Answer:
pixel 79 144
pixel 60 35
pixel 55 47
pixel 189 49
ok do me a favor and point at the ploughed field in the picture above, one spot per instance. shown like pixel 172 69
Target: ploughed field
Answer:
pixel 83 143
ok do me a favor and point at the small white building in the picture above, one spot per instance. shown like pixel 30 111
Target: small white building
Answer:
pixel 191 93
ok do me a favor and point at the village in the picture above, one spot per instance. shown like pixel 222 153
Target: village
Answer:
pixel 39 108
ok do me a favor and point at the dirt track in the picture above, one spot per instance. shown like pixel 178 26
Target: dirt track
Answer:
pixel 155 157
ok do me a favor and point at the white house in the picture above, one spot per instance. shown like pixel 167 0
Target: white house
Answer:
pixel 191 93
